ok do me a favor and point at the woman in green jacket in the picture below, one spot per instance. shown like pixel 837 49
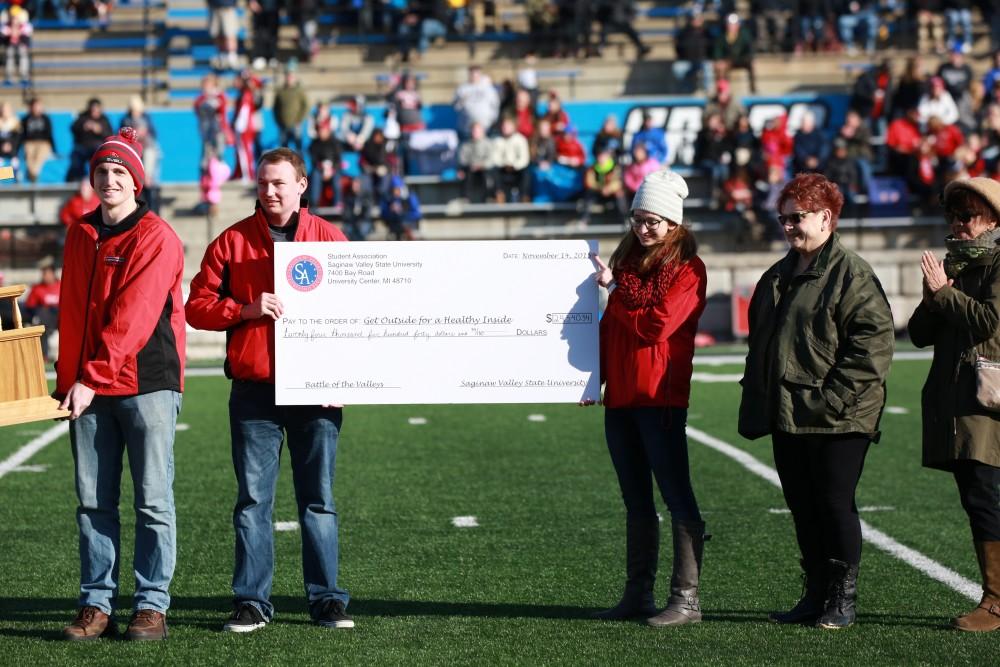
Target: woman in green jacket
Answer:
pixel 960 316
pixel 821 340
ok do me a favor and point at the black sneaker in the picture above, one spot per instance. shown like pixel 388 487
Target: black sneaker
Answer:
pixel 245 618
pixel 332 614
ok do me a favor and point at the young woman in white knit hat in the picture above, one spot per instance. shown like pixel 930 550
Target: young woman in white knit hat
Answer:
pixel 656 285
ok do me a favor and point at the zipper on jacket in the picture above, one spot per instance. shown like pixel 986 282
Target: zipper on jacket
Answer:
pixel 86 318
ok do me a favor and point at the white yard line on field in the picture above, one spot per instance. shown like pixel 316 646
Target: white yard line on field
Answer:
pixel 15 460
pixel 931 568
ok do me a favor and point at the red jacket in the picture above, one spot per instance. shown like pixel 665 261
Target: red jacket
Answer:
pixel 237 267
pixel 43 295
pixel 121 317
pixel 646 354
pixel 76 207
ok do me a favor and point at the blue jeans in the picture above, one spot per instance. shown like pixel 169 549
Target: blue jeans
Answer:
pixel 848 24
pixel 258 427
pixel 144 426
pixel 959 18
pixel 647 443
pixel 430 29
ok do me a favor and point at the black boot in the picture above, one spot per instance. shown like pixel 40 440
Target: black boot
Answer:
pixel 810 606
pixel 841 594
pixel 683 607
pixel 642 553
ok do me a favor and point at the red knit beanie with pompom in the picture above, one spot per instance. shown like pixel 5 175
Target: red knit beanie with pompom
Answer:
pixel 122 149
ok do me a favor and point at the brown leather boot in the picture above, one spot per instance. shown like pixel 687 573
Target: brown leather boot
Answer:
pixel 90 623
pixel 683 607
pixel 985 617
pixel 147 625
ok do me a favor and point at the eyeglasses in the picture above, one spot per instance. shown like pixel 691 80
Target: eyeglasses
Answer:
pixel 650 223
pixel 793 218
pixel 963 217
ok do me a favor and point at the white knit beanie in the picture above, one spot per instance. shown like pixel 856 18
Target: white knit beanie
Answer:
pixel 662 192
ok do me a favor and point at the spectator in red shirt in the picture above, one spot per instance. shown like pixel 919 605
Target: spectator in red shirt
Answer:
pixel 83 201
pixel 569 150
pixel 903 139
pixel 42 305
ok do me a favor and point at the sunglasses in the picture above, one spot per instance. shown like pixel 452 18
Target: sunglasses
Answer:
pixel 963 217
pixel 793 218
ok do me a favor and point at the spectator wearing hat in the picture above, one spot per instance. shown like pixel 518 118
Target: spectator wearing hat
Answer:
pixel 734 50
pixel 724 104
pixel 656 284
pixel 120 375
pixel 956 73
pixel 602 184
pixel 16 31
pixel 938 102
pixel 89 130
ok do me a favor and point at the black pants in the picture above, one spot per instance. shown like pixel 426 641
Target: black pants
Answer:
pixel 265 34
pixel 819 475
pixel 979 489
pixel 650 443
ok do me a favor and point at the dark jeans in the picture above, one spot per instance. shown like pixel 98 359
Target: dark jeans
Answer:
pixel 265 34
pixel 819 475
pixel 979 488
pixel 647 443
pixel 258 429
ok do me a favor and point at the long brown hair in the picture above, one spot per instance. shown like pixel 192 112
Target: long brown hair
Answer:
pixel 677 247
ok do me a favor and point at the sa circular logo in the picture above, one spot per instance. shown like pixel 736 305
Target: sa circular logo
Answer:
pixel 304 273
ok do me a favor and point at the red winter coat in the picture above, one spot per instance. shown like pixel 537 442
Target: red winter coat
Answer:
pixel 646 354
pixel 121 317
pixel 238 266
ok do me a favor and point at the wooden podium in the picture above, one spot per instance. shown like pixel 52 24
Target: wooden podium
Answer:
pixel 24 393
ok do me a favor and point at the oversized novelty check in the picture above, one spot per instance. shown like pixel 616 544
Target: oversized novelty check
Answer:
pixel 436 322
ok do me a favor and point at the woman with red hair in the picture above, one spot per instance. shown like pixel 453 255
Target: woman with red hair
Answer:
pixel 820 346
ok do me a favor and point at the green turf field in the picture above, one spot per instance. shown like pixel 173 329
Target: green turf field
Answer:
pixel 518 588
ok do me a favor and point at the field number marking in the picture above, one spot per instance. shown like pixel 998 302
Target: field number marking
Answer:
pixel 286 526
pixel 536 418
pixel 465 522
pixel 911 557
pixel 416 421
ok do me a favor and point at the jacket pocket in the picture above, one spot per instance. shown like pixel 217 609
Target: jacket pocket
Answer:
pixel 804 403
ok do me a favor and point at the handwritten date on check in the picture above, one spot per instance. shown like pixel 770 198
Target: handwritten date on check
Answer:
pixel 436 322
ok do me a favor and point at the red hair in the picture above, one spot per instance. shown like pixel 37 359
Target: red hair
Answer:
pixel 813 192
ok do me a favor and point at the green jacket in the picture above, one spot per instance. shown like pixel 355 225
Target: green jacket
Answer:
pixel 291 106
pixel 820 348
pixel 960 321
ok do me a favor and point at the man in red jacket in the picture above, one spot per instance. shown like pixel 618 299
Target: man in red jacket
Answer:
pixel 120 374
pixel 234 292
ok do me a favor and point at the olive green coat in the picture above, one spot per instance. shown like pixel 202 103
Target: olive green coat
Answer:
pixel 821 369
pixel 959 321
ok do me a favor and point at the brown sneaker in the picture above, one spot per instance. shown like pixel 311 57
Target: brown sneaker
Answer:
pixel 147 625
pixel 90 623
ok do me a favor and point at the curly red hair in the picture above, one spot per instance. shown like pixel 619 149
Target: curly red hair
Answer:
pixel 813 192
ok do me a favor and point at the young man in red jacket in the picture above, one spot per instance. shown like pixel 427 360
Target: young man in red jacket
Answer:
pixel 120 374
pixel 234 292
